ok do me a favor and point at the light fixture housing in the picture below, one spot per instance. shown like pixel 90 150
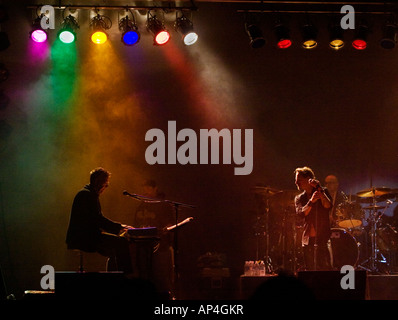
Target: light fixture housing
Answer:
pixel 130 33
pixel 336 34
pixel 184 26
pixel 309 33
pixel 389 38
pixel 361 36
pixel 38 34
pixel 160 34
pixel 4 41
pixel 255 35
pixel 67 34
pixel 282 33
pixel 99 24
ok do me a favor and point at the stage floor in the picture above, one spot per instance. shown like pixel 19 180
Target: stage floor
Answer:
pixel 318 285
pixel 326 285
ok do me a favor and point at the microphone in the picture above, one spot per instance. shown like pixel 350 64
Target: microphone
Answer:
pixel 315 184
pixel 141 198
pixel 128 194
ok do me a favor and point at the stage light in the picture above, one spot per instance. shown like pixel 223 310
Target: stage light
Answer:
pixel 309 34
pixel 282 36
pixel 185 27
pixel 67 34
pixel 130 35
pixel 37 34
pixel 255 35
pixel 99 37
pixel 160 35
pixel 360 39
pixel 4 41
pixel 389 36
pixel 99 25
pixel 336 40
pixel 4 73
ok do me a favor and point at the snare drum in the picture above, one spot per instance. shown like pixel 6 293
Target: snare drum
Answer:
pixel 344 248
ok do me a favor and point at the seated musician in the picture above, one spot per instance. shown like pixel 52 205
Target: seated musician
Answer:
pixel 90 231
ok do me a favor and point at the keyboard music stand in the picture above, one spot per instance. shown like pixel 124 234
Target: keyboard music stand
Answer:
pixel 173 228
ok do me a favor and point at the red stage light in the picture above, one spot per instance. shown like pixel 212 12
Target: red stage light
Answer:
pixel 282 36
pixel 361 34
pixel 359 44
pixel 162 37
pixel 284 44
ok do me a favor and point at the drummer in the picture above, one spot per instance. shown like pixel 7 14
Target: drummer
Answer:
pixel 338 196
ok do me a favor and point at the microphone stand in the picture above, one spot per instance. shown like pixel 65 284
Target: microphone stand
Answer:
pixel 316 239
pixel 176 206
pixel 318 188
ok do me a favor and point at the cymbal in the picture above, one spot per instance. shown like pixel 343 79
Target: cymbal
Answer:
pixel 286 197
pixel 266 191
pixel 377 192
pixel 374 207
pixel 351 197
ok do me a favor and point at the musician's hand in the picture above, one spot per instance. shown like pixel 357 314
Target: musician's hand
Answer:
pixel 316 196
pixel 314 183
pixel 127 227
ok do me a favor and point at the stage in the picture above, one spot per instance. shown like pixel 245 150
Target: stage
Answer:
pixel 306 285
pixel 325 285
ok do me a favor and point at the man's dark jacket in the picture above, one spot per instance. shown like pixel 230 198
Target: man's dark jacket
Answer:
pixel 87 222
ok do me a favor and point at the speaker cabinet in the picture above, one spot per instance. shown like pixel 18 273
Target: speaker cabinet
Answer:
pixel 101 285
pixel 326 285
pixel 383 287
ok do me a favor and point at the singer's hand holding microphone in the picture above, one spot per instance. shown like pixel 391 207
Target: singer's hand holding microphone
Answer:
pixel 318 193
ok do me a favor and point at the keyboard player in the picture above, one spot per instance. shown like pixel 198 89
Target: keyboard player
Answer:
pixel 90 231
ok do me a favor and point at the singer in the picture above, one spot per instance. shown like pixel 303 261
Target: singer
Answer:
pixel 90 231
pixel 313 205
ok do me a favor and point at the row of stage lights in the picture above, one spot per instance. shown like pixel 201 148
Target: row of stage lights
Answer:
pixel 128 27
pixel 310 33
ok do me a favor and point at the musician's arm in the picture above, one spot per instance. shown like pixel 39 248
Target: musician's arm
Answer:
pixel 302 210
pixel 326 199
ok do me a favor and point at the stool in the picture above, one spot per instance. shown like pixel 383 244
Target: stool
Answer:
pixel 81 259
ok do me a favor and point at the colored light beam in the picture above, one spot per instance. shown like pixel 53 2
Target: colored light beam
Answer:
pixel 38 52
pixel 208 83
pixel 63 72
pixel 108 119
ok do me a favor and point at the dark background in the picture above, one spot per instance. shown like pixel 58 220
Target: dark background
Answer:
pixel 66 111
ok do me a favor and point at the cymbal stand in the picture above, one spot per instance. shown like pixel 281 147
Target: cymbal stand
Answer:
pixel 372 261
pixel 267 262
pixel 283 236
pixel 257 233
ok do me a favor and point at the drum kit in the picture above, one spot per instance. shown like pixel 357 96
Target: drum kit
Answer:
pixel 374 263
pixel 359 235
